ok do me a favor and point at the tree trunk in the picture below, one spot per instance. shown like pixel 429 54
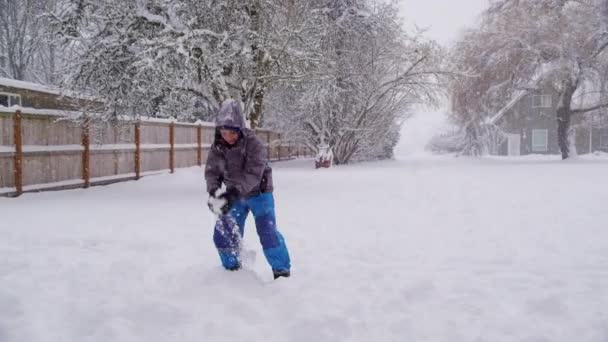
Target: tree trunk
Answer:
pixel 256 112
pixel 259 68
pixel 563 126
pixel 564 115
pixel 472 141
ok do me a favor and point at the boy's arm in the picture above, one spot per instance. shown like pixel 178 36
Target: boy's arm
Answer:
pixel 213 171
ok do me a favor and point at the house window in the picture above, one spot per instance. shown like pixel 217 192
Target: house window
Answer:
pixel 14 100
pixel 541 101
pixel 604 139
pixel 540 140
pixel 8 99
pixel 2 62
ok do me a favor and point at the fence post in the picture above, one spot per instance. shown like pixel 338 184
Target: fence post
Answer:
pixel 199 141
pixel 86 153
pixel 18 171
pixel 172 147
pixel 137 150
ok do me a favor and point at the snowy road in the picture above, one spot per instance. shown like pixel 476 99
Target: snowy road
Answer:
pixel 437 249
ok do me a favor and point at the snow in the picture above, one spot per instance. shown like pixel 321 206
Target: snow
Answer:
pixel 76 114
pixel 106 147
pixel 7 82
pixel 157 120
pixel 43 112
pixel 423 248
pixel 153 18
pixel 209 124
pixel 52 148
pixel 187 146
pixel 164 121
pixel 7 149
pixel 36 187
pixel 154 146
pixel 79 182
pixel 6 190
pixel 112 147
pixel 418 130
pixel 128 175
pixel 216 203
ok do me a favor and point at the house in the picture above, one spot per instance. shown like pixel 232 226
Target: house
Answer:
pixel 591 133
pixel 529 125
pixel 32 95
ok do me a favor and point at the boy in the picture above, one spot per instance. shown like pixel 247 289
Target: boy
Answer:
pixel 237 159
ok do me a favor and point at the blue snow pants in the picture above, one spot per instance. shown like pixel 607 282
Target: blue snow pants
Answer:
pixel 229 230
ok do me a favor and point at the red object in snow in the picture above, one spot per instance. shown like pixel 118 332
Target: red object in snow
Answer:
pixel 322 163
pixel 324 157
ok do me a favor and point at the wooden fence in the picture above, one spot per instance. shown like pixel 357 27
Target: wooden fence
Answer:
pixel 40 150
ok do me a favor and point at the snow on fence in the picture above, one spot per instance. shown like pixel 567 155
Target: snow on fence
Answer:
pixel 45 151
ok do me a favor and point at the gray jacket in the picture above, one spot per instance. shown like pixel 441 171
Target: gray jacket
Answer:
pixel 243 165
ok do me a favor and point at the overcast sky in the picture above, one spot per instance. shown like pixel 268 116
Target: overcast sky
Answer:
pixel 443 18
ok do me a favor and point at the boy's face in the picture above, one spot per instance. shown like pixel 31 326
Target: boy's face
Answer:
pixel 230 136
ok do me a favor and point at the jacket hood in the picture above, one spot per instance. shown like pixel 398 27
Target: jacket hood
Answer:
pixel 230 115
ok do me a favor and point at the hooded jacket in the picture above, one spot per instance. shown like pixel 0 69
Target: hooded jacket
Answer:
pixel 243 165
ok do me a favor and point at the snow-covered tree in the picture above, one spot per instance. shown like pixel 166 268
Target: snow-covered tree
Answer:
pixel 179 58
pixel 369 73
pixel 341 73
pixel 521 45
pixel 25 45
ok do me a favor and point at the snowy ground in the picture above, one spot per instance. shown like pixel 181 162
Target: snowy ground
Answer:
pixel 418 249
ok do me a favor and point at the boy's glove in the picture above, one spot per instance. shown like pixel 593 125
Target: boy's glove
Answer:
pixel 220 204
pixel 216 204
pixel 212 191
pixel 231 195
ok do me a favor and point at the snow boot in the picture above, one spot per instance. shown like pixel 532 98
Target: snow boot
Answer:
pixel 281 273
pixel 234 268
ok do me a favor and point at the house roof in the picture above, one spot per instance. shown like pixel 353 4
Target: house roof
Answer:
pixel 508 106
pixel 541 72
pixel 7 82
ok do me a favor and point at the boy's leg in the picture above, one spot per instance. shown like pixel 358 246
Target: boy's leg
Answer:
pixel 228 233
pixel 273 243
pixel 239 212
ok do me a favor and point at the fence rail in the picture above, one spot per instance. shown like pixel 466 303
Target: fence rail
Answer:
pixel 49 152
